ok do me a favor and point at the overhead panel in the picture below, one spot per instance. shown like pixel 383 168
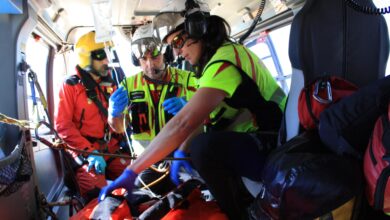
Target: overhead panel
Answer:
pixel 149 7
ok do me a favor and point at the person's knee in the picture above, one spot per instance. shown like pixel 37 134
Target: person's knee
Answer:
pixel 201 149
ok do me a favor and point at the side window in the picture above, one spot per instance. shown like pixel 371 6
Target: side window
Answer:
pixel 385 4
pixel 272 48
pixel 37 52
pixel 59 73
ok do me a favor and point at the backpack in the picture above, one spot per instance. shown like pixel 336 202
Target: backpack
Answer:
pixel 319 95
pixel 377 165
pixel 346 126
pixel 304 180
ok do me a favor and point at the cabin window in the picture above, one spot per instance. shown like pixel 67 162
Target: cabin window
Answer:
pixel 272 48
pixel 59 74
pixel 37 52
pixel 384 4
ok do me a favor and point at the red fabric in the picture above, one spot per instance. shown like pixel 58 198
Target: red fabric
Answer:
pixel 121 212
pixel 198 209
pixel 340 88
pixel 78 117
pixel 89 180
pixel 373 169
pixel 116 167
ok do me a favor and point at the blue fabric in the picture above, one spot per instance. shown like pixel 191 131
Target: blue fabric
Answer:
pixel 177 164
pixel 97 162
pixel 125 180
pixel 118 102
pixel 173 105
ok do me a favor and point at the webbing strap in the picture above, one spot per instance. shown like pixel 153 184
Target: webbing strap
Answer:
pixel 90 86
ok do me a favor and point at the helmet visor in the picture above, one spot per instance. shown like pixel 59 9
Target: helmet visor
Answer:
pixel 142 46
pixel 98 54
pixel 165 23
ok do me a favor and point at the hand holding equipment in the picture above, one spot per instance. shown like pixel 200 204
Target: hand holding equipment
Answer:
pixel 98 162
pixel 125 180
pixel 173 105
pixel 118 102
pixel 177 164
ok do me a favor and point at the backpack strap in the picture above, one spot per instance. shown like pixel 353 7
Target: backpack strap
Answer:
pixel 90 86
pixel 317 84
pixel 309 106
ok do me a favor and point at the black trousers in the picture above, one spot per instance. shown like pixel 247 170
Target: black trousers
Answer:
pixel 222 158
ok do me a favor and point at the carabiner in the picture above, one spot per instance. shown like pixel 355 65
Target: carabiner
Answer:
pixel 321 85
pixel 107 135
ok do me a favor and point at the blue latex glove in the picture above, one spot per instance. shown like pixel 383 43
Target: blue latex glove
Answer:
pixel 173 105
pixel 98 162
pixel 118 102
pixel 177 164
pixel 125 180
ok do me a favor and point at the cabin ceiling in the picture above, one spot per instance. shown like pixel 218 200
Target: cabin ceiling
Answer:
pixel 128 13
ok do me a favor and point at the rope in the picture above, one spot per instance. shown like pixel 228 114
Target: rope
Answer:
pixel 58 143
pixel 24 124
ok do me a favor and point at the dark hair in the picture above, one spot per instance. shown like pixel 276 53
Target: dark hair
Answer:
pixel 218 32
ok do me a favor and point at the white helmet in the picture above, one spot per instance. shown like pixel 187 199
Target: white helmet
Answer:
pixel 174 15
pixel 143 41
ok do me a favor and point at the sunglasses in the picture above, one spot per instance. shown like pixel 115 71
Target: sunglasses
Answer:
pixel 179 41
pixel 98 55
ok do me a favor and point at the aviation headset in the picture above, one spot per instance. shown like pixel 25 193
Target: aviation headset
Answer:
pixel 195 23
pixel 134 60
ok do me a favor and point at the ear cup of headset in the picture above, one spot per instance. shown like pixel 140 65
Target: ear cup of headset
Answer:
pixel 134 60
pixel 169 57
pixel 196 24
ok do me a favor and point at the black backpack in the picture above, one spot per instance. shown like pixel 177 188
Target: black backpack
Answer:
pixel 304 180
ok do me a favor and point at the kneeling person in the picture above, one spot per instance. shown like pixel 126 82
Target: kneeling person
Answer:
pixel 155 95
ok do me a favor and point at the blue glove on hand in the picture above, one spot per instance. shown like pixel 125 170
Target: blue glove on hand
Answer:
pixel 125 180
pixel 177 164
pixel 118 102
pixel 98 162
pixel 173 105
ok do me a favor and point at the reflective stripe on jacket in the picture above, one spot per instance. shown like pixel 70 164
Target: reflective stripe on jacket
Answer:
pixel 254 99
pixel 148 118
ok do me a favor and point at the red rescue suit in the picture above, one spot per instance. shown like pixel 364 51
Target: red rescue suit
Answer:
pixel 81 124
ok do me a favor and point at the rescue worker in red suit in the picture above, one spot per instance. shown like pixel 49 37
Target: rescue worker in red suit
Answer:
pixel 81 117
